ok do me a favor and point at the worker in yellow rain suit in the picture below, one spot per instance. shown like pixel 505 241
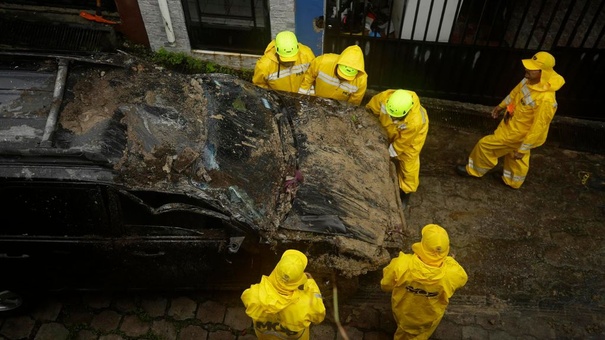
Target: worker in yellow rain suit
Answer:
pixel 422 284
pixel 407 124
pixel 528 111
pixel 284 63
pixel 337 76
pixel 285 303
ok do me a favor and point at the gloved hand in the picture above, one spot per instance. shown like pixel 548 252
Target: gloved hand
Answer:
pixel 392 151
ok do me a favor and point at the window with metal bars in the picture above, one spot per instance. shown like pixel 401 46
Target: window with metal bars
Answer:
pixel 228 25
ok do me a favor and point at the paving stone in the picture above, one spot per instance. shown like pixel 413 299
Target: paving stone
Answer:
pixel 249 337
pixel 18 327
pixel 374 335
pixel 86 335
pixel 164 329
pixel 133 326
pixel 182 308
pixel 154 307
pixel 540 328
pixel 106 321
pixel 47 311
pixel 77 316
pixel 489 320
pixel 52 331
pixel 211 312
pixel 364 317
pixel 511 322
pixel 111 337
pixel 447 330
pixel 352 333
pixel 237 319
pixel 193 333
pixel 322 331
pixel 221 335
pixel 125 303
pixel 501 335
pixel 461 318
pixel 474 333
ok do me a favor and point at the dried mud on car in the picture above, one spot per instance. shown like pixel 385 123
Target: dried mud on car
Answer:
pixel 308 172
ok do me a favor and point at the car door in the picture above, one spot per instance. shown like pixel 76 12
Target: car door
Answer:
pixel 54 234
pixel 173 241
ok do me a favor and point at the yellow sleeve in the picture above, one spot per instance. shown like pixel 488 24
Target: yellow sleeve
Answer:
pixel 392 273
pixel 374 105
pixel 376 101
pixel 317 309
pixel 357 97
pixel 260 73
pixel 457 276
pixel 250 299
pixel 310 76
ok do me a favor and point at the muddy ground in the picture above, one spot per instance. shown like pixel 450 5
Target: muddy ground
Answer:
pixel 541 245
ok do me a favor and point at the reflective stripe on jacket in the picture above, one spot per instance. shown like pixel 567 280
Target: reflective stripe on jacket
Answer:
pixel 407 134
pixel 269 73
pixel 322 75
pixel 534 108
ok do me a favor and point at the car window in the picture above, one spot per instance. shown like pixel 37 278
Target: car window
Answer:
pixel 45 209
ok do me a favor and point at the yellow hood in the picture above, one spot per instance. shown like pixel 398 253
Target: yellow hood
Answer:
pixel 549 81
pixel 352 56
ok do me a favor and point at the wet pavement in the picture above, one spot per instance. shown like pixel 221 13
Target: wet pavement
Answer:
pixel 534 258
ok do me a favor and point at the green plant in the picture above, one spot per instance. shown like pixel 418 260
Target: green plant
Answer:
pixel 182 62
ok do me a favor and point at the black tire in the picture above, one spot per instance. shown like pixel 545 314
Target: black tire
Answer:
pixel 12 302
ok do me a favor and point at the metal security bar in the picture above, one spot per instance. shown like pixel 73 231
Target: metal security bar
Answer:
pixel 470 50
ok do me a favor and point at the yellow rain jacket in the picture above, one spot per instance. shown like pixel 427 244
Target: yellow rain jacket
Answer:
pixel 420 293
pixel 406 136
pixel 533 107
pixel 530 109
pixel 322 80
pixel 281 309
pixel 269 72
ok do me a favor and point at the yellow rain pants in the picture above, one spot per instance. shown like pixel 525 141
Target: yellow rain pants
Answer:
pixel 420 293
pixel 406 137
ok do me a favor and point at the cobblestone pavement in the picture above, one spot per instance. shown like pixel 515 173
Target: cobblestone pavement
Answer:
pixel 534 259
pixel 220 316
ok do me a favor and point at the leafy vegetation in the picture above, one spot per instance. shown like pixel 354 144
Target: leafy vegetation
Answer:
pixel 183 62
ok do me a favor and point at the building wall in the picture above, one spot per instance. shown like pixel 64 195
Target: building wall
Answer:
pixel 281 16
pixel 154 24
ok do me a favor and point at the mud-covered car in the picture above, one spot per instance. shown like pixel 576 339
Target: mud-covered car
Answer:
pixel 133 176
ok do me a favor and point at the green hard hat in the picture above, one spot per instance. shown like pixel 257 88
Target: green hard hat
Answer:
pixel 286 46
pixel 399 103
pixel 347 72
